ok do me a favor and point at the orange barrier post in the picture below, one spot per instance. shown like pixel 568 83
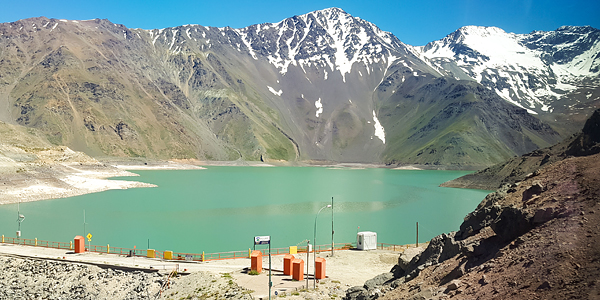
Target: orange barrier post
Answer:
pixel 298 269
pixel 320 268
pixel 256 261
pixel 287 264
pixel 79 242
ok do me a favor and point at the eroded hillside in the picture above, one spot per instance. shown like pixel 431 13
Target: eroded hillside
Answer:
pixel 324 86
pixel 33 169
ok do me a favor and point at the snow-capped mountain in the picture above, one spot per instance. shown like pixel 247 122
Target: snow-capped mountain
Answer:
pixel 323 86
pixel 316 67
pixel 534 71
pixel 328 38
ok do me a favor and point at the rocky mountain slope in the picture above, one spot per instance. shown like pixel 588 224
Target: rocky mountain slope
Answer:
pixel 441 121
pixel 552 74
pixel 31 169
pixel 586 142
pixel 533 239
pixel 324 86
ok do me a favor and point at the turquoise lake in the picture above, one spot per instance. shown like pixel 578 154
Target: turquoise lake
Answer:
pixel 222 209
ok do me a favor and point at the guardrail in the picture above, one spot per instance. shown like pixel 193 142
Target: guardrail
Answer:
pixel 384 246
pixel 186 256
pixel 37 243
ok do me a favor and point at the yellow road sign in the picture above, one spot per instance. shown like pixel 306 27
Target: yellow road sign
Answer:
pixel 89 236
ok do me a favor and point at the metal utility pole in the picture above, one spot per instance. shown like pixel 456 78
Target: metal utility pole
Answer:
pixel 315 247
pixel 83 223
pixel 20 219
pixel 417 234
pixel 332 245
pixel 307 257
pixel 270 282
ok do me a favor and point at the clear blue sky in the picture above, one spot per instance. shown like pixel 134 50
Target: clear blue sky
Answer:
pixel 413 22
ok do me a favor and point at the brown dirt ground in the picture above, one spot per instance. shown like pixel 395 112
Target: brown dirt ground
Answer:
pixel 558 259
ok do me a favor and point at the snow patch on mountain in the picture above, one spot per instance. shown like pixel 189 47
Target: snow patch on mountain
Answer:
pixel 379 130
pixel 247 43
pixel 276 93
pixel 319 107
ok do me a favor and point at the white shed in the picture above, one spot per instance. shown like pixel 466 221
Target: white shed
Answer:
pixel 366 240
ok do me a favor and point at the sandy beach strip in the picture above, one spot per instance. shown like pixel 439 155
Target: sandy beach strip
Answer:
pixel 64 185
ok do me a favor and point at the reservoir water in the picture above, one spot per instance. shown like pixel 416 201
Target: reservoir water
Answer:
pixel 222 208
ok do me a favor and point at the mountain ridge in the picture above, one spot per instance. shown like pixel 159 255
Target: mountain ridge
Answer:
pixel 538 71
pixel 295 90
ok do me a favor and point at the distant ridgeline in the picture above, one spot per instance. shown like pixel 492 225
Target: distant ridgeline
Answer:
pixel 324 86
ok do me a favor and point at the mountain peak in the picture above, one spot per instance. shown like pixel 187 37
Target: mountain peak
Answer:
pixel 576 29
pixel 332 11
pixel 329 38
pixel 532 70
pixel 479 31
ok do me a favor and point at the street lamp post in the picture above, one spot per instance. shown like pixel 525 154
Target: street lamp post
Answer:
pixel 20 219
pixel 315 247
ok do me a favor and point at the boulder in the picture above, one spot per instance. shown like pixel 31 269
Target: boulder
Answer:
pixel 512 223
pixel 535 189
pixel 543 215
pixel 407 256
pixel 440 248
pixel 378 280
pixel 356 293
pixel 477 220
pixel 453 285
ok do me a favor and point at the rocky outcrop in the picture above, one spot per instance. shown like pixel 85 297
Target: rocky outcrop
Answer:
pixel 500 222
pixel 588 141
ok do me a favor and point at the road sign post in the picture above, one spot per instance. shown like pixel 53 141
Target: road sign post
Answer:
pixel 263 240
pixel 89 237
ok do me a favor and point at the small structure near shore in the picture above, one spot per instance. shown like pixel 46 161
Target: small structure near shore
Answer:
pixel 366 240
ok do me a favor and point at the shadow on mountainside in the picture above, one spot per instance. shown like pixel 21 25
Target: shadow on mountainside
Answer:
pixel 586 142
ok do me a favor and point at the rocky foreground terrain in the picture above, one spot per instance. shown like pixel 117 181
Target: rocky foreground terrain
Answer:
pixel 535 238
pixel 28 278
